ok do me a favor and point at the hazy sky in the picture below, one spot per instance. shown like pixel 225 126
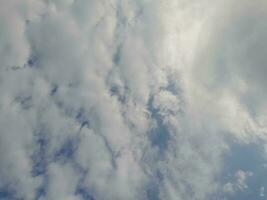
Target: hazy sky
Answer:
pixel 133 99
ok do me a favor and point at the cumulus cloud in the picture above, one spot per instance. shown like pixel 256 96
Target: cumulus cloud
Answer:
pixel 109 99
pixel 239 183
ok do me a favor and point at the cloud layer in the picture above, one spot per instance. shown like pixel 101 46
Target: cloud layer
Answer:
pixel 126 100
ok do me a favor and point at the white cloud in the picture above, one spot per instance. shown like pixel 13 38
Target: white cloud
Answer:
pixel 85 85
pixel 62 183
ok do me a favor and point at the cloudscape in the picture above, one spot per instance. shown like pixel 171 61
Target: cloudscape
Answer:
pixel 133 99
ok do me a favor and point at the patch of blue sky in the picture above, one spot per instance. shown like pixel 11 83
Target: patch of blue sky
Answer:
pixel 7 194
pixel 248 158
pixel 159 135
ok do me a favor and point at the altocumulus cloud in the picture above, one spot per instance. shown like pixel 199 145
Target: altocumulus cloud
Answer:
pixel 130 99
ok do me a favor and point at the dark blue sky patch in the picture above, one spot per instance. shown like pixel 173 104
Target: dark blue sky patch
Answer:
pixel 32 61
pixel 42 190
pixel 40 162
pixel 159 136
pixel 84 193
pixel 246 157
pixel 81 190
pixel 117 55
pixel 54 90
pixel 25 101
pixel 115 91
pixel 39 157
pixel 6 193
pixel 67 151
pixel 153 190
pixel 82 119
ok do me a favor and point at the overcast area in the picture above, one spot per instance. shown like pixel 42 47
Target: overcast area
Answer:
pixel 133 99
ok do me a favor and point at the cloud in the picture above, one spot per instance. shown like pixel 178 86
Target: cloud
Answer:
pixel 239 183
pixel 62 182
pixel 127 99
pixel 233 62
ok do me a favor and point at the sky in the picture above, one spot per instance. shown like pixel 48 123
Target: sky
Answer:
pixel 133 100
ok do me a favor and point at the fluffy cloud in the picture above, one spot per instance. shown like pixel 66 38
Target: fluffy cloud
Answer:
pixel 127 99
pixel 239 184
